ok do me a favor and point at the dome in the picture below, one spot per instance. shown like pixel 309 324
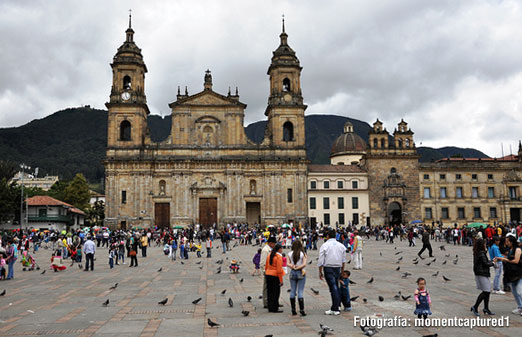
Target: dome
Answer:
pixel 348 143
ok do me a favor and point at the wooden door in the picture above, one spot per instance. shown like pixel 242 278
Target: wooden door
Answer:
pixel 207 211
pixel 162 215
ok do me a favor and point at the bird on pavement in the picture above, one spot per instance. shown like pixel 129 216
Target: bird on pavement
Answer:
pixel 163 302
pixel 455 261
pixel 3 293
pixel 249 298
pixel 399 252
pixel 114 286
pixel 397 296
pixel 352 282
pixel 365 300
pixel 315 291
pixel 159 270
pixel 398 268
pixel 442 248
pixel 230 302
pixel 368 331
pixel 196 301
pixel 370 281
pixel 241 281
pixel 445 278
pixel 182 262
pixel 43 272
pixel 199 262
pixel 326 327
pixel 416 262
pixel 381 298
pixel 245 313
pixel 353 299
pixel 428 264
pixel 106 303
pixel 436 274
pixel 212 324
pixel 223 292
pixel 400 259
pixel 405 298
pixel 380 253
pixel 444 262
pixel 433 335
pixel 447 255
pixel 406 274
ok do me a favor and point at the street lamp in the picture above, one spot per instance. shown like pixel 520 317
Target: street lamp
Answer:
pixel 23 167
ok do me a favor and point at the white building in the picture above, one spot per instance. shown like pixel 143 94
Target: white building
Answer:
pixel 44 212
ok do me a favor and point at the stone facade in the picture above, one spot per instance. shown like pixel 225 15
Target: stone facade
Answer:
pixel 207 171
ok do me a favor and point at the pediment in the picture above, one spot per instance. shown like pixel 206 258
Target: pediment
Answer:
pixel 208 98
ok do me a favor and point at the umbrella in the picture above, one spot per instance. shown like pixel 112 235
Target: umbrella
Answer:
pixel 286 226
pixel 477 225
pixel 178 227
pixel 415 222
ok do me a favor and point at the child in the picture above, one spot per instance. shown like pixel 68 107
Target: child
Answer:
pixel 345 290
pixel 257 260
pixel 234 267
pixel 121 252
pixel 198 250
pixel 56 261
pixel 285 268
pixel 111 256
pixel 422 299
pixel 3 263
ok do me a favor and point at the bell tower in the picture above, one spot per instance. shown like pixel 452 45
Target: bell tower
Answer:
pixel 285 110
pixel 127 125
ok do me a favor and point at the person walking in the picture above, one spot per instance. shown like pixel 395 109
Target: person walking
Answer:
pixel 297 263
pixel 209 247
pixel 357 251
pixel 513 270
pixel 274 278
pixel 494 251
pixel 144 243
pixel 134 252
pixel 332 257
pixel 264 254
pixel 425 243
pixel 89 248
pixel 12 256
pixel 481 265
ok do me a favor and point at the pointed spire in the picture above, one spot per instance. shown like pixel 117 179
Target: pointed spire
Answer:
pixel 519 146
pixel 130 18
pixel 186 91
pixel 283 36
pixel 129 31
pixel 237 92
pixel 283 22
pixel 229 92
pixel 179 92
pixel 208 80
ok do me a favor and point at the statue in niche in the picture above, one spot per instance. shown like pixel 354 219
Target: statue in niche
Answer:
pixel 252 187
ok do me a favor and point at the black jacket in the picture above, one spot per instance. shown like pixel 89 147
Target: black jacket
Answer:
pixel 481 264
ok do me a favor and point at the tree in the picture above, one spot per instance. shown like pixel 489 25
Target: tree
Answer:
pixel 57 191
pixel 77 192
pixel 7 170
pixel 96 213
pixel 9 198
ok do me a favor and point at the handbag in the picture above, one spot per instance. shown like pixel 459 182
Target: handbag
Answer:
pixel 132 253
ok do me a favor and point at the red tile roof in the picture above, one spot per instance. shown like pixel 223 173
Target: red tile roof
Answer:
pixel 335 168
pixel 45 200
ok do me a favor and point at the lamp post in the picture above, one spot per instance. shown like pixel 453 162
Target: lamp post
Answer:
pixel 23 167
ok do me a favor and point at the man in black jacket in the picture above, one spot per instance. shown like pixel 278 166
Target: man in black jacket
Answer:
pixel 425 243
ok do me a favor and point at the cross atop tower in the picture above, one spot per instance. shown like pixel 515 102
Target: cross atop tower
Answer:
pixel 130 17
pixel 283 16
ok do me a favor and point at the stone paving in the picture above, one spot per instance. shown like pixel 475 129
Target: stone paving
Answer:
pixel 69 303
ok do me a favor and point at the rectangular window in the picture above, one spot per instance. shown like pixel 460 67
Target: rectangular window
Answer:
pixel 474 192
pixel 341 218
pixel 326 218
pixel 460 213
pixel 474 176
pixel 326 184
pixel 340 202
pixel 290 196
pixel 426 176
pixel 355 218
pixel 355 202
pixel 123 197
pixel 459 193
pixel 312 203
pixel 427 193
pixel 492 212
pixel 355 184
pixel 476 212
pixel 442 177
pixel 512 192
pixel 444 213
pixel 491 192
pixel 326 203
pixel 443 194
pixel 313 185
pixel 340 184
pixel 42 212
pixel 490 177
pixel 458 176
pixel 427 213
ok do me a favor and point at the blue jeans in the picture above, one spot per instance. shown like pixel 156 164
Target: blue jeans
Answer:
pixel 345 297
pixel 296 284
pixel 10 271
pixel 498 272
pixel 224 247
pixel 332 275
pixel 516 289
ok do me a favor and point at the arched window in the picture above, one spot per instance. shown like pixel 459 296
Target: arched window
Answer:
pixel 286 84
pixel 375 143
pixel 393 170
pixel 288 132
pixel 207 129
pixel 400 143
pixel 126 82
pixel 383 143
pixel 125 130
pixel 162 187
pixel 407 142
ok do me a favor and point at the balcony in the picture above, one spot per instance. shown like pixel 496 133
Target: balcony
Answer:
pixel 50 218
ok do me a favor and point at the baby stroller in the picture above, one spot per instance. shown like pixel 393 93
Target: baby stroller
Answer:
pixel 234 267
pixel 28 261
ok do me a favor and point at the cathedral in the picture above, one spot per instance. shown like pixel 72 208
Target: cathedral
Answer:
pixel 207 171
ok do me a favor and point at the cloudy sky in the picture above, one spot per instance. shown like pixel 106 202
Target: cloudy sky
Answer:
pixel 452 69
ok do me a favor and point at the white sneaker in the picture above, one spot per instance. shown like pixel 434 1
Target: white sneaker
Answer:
pixel 517 311
pixel 331 312
pixel 499 292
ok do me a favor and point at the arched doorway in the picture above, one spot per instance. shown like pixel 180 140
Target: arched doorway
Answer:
pixel 395 213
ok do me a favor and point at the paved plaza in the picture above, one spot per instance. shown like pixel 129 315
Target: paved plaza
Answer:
pixel 69 303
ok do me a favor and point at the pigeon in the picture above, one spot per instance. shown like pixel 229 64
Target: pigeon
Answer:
pixel 106 303
pixel 80 266
pixel 352 282
pixel 159 270
pixel 315 291
pixel 310 262
pixel 163 302
pixel 405 298
pixel 380 253
pixel 201 267
pixel 370 281
pixel 447 255
pixel 235 245
pixel 405 275
pixel 349 261
pixel 365 300
pixel 245 313
pixel 397 296
pixel 114 286
pixel 445 278
pixel 416 262
pixel 3 293
pixel 260 296
pixel 326 328
pixel 223 292
pixel 398 268
pixel 199 262
pixel 444 262
pixel 455 261
pixel 230 302
pixel 436 274
pixel 435 259
pixel 353 299
pixel 400 259
pixel 457 256
pixel 399 252
pixel 249 298
pixel 196 301
pixel 182 262
pixel 433 335
pixel 442 248
pixel 422 258
pixel 212 324
pixel 43 272
pixel 428 264
pixel 218 271
pixel 415 259
pixel 288 290
pixel 381 298
pixel 368 331
pixel 241 281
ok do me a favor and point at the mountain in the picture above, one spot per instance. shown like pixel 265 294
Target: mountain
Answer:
pixel 74 140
